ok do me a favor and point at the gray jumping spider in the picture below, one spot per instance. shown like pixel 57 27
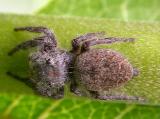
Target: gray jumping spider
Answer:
pixel 93 71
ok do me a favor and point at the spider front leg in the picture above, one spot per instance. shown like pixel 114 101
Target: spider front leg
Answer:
pixel 86 45
pixel 76 42
pixel 26 44
pixel 39 29
pixel 47 38
pixel 25 80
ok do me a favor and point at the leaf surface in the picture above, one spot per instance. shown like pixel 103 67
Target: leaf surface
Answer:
pixel 32 107
pixel 144 54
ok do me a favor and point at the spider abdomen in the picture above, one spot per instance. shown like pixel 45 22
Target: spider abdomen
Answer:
pixel 102 69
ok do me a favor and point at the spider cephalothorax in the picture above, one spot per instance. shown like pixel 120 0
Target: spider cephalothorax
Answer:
pixel 48 65
pixel 93 71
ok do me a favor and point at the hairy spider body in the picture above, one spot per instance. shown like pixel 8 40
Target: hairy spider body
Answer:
pixel 89 71
pixel 50 71
pixel 102 69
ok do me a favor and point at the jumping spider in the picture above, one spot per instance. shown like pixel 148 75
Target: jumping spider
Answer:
pixel 93 71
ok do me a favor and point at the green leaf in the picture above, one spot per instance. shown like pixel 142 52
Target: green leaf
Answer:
pixel 144 54
pixel 32 107
pixel 127 10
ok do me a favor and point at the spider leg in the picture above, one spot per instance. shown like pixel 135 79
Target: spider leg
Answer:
pixel 86 45
pixel 25 80
pixel 74 88
pixel 39 29
pixel 121 97
pixel 96 95
pixel 76 42
pixel 135 72
pixel 26 44
pixel 73 85
pixel 59 94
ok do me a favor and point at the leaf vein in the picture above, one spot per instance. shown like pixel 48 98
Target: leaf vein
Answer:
pixel 47 111
pixel 10 108
pixel 124 112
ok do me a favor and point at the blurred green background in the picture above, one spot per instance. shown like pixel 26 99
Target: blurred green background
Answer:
pixel 126 10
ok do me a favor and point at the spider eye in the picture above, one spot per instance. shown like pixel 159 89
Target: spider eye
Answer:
pixel 48 61
pixel 48 47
